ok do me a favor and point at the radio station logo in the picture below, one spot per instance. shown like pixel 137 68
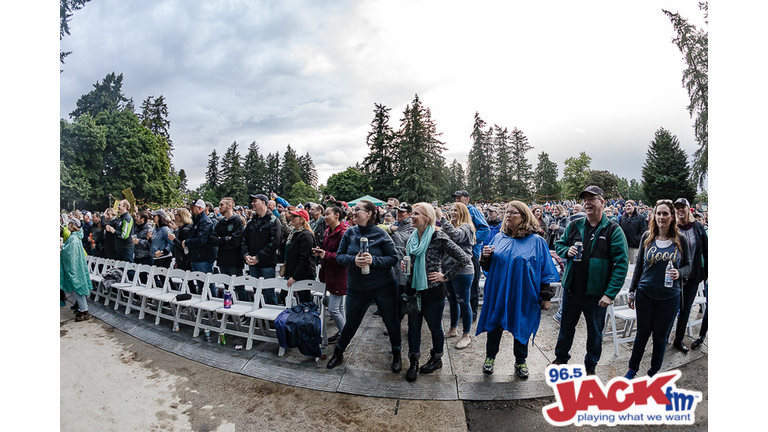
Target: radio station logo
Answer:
pixel 584 400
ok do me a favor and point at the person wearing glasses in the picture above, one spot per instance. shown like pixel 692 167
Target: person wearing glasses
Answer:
pixel 377 284
pixel 591 281
pixel 520 270
pixel 656 303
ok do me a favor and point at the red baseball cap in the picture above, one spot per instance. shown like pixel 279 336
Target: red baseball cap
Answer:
pixel 301 213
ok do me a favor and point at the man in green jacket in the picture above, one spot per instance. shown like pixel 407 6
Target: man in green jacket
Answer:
pixel 591 283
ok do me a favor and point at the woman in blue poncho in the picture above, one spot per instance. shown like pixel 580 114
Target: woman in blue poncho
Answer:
pixel 73 270
pixel 517 288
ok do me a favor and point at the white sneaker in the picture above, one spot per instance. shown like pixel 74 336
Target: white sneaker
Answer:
pixel 451 333
pixel 465 341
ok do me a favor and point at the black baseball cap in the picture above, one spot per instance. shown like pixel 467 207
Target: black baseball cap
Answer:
pixel 462 193
pixel 682 201
pixel 594 190
pixel 259 196
pixel 405 207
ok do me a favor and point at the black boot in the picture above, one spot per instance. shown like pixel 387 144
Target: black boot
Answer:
pixel 397 361
pixel 338 357
pixel 434 363
pixel 413 370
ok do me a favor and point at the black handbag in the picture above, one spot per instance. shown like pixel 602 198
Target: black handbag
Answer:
pixel 410 304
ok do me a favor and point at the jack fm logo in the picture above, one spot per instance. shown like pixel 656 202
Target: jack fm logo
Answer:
pixel 584 400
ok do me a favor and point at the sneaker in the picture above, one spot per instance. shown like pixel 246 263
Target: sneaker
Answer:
pixel 488 365
pixel 465 341
pixel 82 316
pixel 630 374
pixel 451 333
pixel 522 370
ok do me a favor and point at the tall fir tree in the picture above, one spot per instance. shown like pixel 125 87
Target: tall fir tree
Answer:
pixel 457 179
pixel 308 170
pixel 666 173
pixel 154 116
pixel 212 175
pixel 106 95
pixel 254 170
pixel 545 179
pixel 290 172
pixel 503 166
pixel 420 154
pixel 381 163
pixel 481 162
pixel 522 171
pixel 232 175
pixel 272 177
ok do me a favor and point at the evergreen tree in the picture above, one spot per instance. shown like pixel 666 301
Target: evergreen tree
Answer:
pixel 421 160
pixel 183 183
pixel 212 176
pixel 503 167
pixel 481 162
pixel 456 180
pixel 381 163
pixel 272 177
pixel 522 171
pixel 693 43
pixel 154 116
pixel 66 8
pixel 290 173
pixel 575 175
pixel 545 179
pixel 605 180
pixel 308 170
pixel 232 175
pixel 635 191
pixel 666 174
pixel 106 95
pixel 255 171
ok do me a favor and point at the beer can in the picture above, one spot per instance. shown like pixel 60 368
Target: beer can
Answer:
pixel 407 261
pixel 207 335
pixel 227 300
pixel 223 339
pixel 579 250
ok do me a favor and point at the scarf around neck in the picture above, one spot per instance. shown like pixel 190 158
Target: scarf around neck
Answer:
pixel 417 249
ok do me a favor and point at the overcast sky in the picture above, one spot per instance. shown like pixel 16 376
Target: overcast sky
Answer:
pixel 598 76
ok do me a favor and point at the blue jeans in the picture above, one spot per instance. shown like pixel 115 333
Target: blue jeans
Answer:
pixel 458 300
pixel 267 273
pixel 653 317
pixel 357 305
pixel 124 255
pixel 573 307
pixel 432 313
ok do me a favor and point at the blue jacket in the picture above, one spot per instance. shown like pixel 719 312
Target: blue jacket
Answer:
pixel 482 230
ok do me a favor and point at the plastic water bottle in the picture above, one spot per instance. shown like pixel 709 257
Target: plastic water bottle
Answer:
pixel 364 249
pixel 668 275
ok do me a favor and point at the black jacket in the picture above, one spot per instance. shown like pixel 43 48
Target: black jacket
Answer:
pixel 700 258
pixel 261 238
pixel 633 226
pixel 300 263
pixel 182 259
pixel 198 243
pixel 227 236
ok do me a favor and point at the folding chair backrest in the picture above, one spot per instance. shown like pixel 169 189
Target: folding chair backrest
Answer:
pixel 221 279
pixel 304 285
pixel 143 269
pixel 176 281
pixel 205 294
pixel 277 283
pixel 252 282
pixel 162 272
pixel 130 277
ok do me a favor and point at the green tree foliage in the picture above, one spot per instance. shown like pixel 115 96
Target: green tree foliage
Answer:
pixel 212 175
pixel 347 185
pixel 232 176
pixel 420 155
pixel 66 8
pixel 290 173
pixel 456 180
pixel 272 177
pixel 154 116
pixel 183 183
pixel 106 95
pixel 505 181
pixel 693 43
pixel 606 180
pixel 545 179
pixel 381 163
pixel 522 171
pixel 666 174
pixel 255 170
pixel 636 191
pixel 302 193
pixel 575 175
pixel 308 170
pixel 481 162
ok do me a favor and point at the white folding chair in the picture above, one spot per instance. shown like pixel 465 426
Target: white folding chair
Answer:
pixel 95 274
pixel 264 313
pixel 699 301
pixel 240 308
pixel 126 291
pixel 177 305
pixel 210 304
pixel 175 284
pixel 154 286
pixel 111 293
pixel 317 289
pixel 624 335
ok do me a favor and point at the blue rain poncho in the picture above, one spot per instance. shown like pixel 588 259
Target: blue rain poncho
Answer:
pixel 73 268
pixel 511 297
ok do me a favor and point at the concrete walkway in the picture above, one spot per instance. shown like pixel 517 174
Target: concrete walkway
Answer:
pixel 365 370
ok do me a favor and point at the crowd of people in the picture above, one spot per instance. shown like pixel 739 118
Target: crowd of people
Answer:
pixel 408 259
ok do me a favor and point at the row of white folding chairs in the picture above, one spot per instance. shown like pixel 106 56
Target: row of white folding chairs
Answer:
pixel 198 306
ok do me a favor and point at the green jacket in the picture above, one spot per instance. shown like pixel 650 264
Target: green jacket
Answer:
pixel 609 259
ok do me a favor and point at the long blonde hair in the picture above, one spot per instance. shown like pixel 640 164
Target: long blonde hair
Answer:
pixel 463 216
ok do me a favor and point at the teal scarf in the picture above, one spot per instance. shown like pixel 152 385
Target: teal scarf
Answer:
pixel 417 249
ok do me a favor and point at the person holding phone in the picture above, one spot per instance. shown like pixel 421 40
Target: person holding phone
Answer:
pixel 333 274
